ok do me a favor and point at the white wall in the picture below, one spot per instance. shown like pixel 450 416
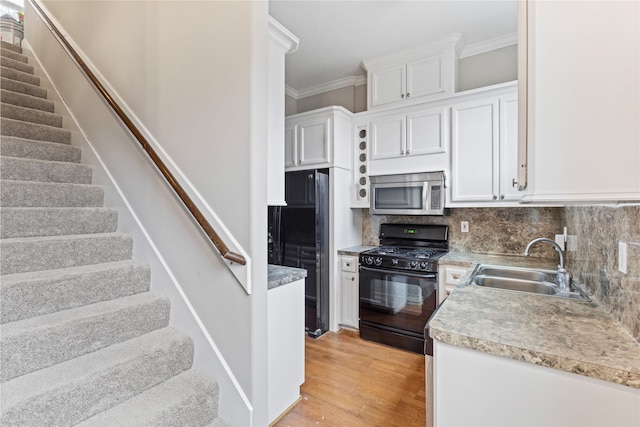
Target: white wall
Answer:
pixel 194 74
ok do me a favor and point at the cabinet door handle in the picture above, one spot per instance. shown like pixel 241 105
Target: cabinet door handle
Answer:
pixel 402 96
pixel 514 183
pixel 455 276
pixel 495 197
pixel 408 94
pixel 408 152
pixel 402 152
pixel 502 197
pixel 353 279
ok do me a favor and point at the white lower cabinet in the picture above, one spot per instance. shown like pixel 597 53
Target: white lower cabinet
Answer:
pixel 285 346
pixel 350 292
pixel 484 150
pixel 472 388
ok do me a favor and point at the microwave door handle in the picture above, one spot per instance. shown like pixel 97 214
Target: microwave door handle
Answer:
pixel 426 192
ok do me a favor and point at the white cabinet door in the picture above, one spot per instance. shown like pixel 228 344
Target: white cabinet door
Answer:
pixel 425 77
pixel 388 85
pixel 509 148
pixel 474 149
pixel 388 136
pixel 290 145
pixel 426 132
pixel 350 296
pixel 314 141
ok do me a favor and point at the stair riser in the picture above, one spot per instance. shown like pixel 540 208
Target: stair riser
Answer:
pixel 30 115
pixel 35 194
pixel 39 150
pixel 18 169
pixel 38 254
pixel 90 394
pixel 189 397
pixel 16 65
pixel 34 222
pixel 34 131
pixel 27 101
pixel 26 349
pixel 10 73
pixel 32 294
pixel 7 53
pixel 10 46
pixel 24 88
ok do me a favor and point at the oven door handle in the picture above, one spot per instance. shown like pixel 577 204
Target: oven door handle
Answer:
pixel 419 275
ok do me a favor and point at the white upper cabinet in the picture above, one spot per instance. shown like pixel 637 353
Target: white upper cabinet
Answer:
pixel 317 139
pixel 415 75
pixel 484 143
pixel 582 106
pixel 281 42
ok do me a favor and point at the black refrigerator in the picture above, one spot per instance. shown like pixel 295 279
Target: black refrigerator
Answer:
pixel 299 237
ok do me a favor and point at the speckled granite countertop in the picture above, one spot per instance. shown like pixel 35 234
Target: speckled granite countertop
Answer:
pixel 355 250
pixel 562 334
pixel 279 275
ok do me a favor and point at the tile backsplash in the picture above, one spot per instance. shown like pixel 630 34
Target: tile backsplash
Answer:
pixel 502 231
pixel 595 263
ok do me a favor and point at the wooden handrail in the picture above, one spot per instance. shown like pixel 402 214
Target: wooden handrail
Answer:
pixel 184 197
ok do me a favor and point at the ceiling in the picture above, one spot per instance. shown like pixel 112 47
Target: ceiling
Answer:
pixel 335 36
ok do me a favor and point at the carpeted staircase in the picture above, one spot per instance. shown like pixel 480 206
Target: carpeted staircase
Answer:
pixel 83 341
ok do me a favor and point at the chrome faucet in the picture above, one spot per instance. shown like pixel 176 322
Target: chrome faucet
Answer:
pixel 563 277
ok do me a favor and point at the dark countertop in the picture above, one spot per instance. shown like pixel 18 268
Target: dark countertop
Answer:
pixel 279 275
pixel 572 336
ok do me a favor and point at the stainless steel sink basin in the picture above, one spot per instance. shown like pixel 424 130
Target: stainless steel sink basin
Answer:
pixel 515 273
pixel 541 282
pixel 517 285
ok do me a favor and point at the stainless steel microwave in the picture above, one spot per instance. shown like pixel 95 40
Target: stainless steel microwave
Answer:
pixel 408 194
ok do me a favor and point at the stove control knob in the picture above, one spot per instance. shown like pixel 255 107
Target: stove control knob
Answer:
pixel 378 261
pixel 423 266
pixel 394 261
pixel 369 260
pixel 413 264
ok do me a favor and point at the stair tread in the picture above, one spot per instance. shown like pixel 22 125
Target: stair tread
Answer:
pixel 39 132
pixel 15 193
pixel 12 63
pixel 14 74
pixel 30 115
pixel 26 100
pixel 11 46
pixel 95 381
pixel 163 404
pixel 37 170
pixel 35 293
pixel 42 341
pixel 20 86
pixel 37 253
pixel 10 53
pixel 56 221
pixel 39 150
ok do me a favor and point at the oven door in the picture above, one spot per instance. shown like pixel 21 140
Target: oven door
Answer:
pixel 398 301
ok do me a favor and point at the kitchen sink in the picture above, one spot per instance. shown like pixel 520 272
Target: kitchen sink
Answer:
pixel 541 282
pixel 516 285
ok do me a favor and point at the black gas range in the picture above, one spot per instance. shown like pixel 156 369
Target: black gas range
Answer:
pixel 398 284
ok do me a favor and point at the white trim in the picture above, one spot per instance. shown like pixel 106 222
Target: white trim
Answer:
pixel 326 87
pixel 489 45
pixel 587 198
pixel 282 36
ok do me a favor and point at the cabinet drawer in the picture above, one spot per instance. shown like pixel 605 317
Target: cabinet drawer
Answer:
pixel 349 263
pixel 452 275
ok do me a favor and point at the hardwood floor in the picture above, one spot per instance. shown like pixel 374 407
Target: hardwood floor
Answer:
pixel 353 382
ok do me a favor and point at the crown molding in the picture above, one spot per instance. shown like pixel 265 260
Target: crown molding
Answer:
pixel 455 40
pixel 285 38
pixel 326 87
pixel 489 45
